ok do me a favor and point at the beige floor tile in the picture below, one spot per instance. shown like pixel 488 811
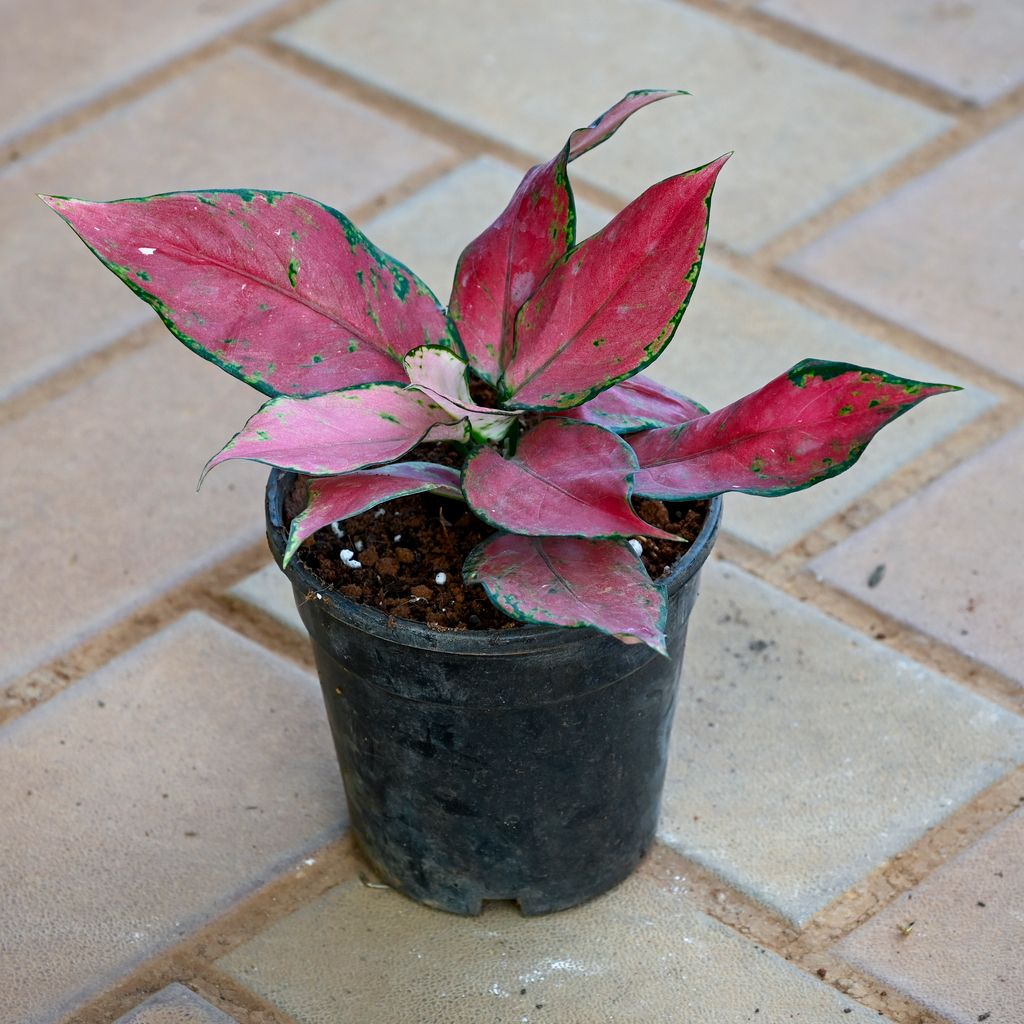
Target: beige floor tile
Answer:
pixel 238 121
pixel 99 510
pixel 636 955
pixel 52 61
pixel 951 558
pixel 270 591
pixel 175 1004
pixel 971 47
pixel 963 958
pixel 803 132
pixel 805 755
pixel 943 255
pixel 147 799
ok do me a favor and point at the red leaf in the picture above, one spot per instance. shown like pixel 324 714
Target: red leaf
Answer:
pixel 564 581
pixel 636 404
pixel 808 424
pixel 611 305
pixel 340 432
pixel 500 269
pixel 341 497
pixel 280 291
pixel 566 479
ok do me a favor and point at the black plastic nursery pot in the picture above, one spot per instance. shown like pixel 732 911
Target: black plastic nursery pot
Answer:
pixel 523 764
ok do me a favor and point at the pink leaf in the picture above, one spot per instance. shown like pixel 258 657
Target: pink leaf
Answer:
pixel 340 432
pixel 609 306
pixel 284 293
pixel 341 497
pixel 564 581
pixel 441 374
pixel 566 479
pixel 806 425
pixel 501 268
pixel 584 139
pixel 636 404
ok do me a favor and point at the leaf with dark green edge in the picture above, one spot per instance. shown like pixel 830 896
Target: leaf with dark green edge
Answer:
pixel 566 479
pixel 604 127
pixel 638 403
pixel 340 432
pixel 568 581
pixel 808 424
pixel 501 268
pixel 442 375
pixel 332 498
pixel 611 305
pixel 278 290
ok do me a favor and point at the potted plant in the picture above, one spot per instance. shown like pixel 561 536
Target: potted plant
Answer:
pixel 514 431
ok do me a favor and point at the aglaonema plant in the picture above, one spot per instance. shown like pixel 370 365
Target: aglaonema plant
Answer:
pixel 363 364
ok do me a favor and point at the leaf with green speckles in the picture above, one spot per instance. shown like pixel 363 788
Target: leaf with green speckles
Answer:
pixel 341 497
pixel 566 581
pixel 342 431
pixel 626 287
pixel 281 276
pixel 499 270
pixel 566 479
pixel 639 403
pixel 808 424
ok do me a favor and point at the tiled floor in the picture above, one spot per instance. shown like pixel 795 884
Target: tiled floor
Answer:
pixel 841 829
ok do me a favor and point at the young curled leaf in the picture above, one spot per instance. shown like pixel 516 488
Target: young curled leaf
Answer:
pixel 567 479
pixel 500 269
pixel 636 404
pixel 276 289
pixel 340 497
pixel 340 432
pixel 808 424
pixel 441 375
pixel 609 306
pixel 566 581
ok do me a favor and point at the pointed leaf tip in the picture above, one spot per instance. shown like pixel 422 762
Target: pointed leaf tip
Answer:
pixel 278 290
pixel 567 581
pixel 611 305
pixel 810 423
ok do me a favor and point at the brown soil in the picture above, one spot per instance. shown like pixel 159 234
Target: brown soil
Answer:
pixel 403 545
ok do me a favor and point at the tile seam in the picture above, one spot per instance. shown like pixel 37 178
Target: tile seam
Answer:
pixel 70 120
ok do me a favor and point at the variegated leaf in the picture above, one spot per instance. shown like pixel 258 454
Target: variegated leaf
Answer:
pixel 276 289
pixel 342 431
pixel 333 498
pixel 501 268
pixel 567 479
pixel 441 374
pixel 566 581
pixel 638 403
pixel 609 306
pixel 808 424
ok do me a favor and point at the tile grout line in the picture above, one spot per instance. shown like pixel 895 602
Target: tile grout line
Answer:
pixel 878 626
pixel 191 959
pixel 28 143
pixel 847 59
pixel 747 918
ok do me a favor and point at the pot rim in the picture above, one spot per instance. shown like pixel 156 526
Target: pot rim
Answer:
pixel 372 620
